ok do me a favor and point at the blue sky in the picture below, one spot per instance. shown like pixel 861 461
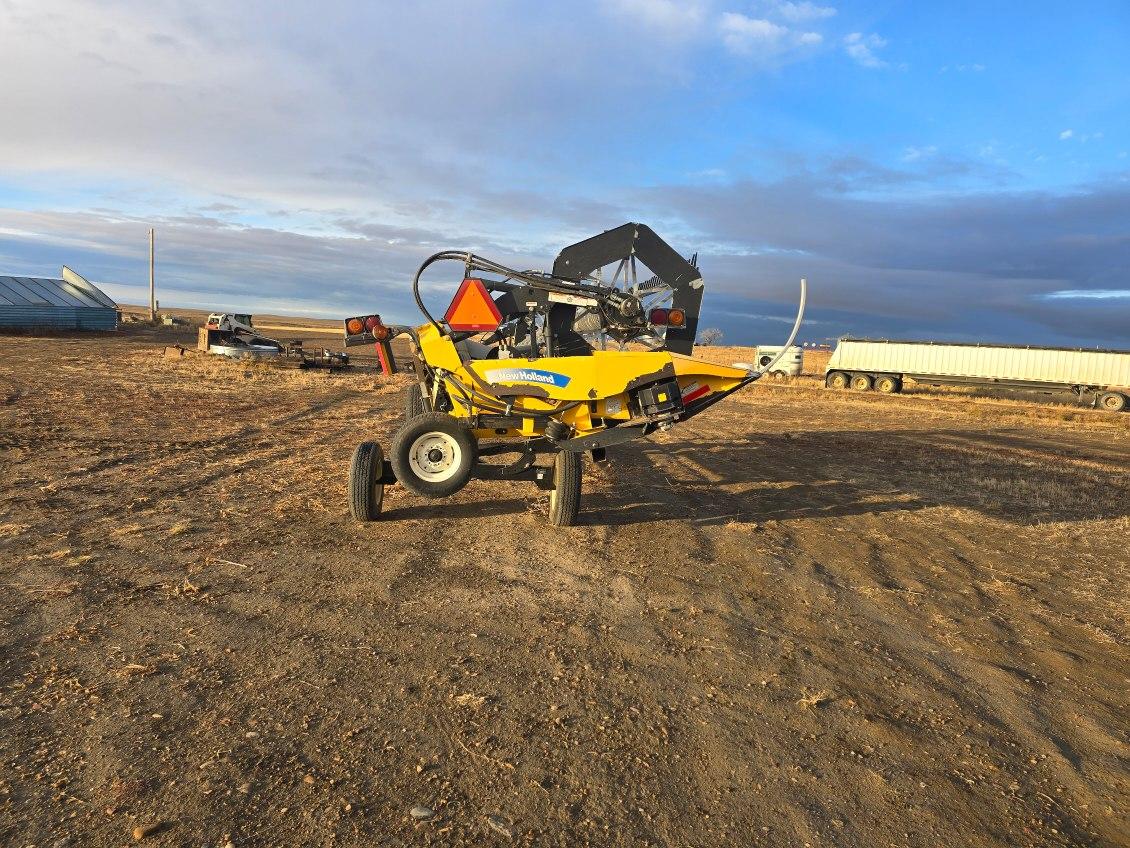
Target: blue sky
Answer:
pixel 949 170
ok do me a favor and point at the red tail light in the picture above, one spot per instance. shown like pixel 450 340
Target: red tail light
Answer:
pixel 364 329
pixel 657 317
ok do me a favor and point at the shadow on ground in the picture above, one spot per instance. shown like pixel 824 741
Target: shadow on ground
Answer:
pixel 759 476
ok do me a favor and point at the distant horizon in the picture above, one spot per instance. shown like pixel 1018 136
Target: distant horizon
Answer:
pixel 724 342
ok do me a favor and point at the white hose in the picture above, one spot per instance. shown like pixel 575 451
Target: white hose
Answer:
pixel 792 336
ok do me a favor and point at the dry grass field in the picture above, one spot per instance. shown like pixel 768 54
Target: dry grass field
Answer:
pixel 805 618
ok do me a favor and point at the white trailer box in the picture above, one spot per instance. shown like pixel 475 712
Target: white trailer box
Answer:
pixel 788 365
pixel 867 363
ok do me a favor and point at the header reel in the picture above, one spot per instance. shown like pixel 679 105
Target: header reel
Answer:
pixel 571 311
pixel 661 312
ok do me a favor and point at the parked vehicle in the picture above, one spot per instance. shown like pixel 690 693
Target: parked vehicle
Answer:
pixel 864 364
pixel 788 365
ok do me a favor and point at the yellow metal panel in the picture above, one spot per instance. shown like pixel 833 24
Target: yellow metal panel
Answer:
pixel 596 384
pixel 568 378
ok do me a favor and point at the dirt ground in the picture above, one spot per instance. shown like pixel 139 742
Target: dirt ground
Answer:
pixel 804 618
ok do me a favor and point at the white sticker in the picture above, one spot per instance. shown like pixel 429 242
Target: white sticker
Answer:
pixel 612 406
pixel 572 299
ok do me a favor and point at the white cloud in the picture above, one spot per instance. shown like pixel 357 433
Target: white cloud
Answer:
pixel 742 34
pixel 761 38
pixel 675 17
pixel 862 49
pixel 1082 138
pixel 803 11
pixel 1092 294
pixel 914 154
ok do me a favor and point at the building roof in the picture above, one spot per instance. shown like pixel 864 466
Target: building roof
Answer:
pixel 71 291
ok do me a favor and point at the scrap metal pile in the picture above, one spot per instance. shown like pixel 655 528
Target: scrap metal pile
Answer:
pixel 233 335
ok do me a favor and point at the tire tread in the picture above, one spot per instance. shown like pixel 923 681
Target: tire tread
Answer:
pixel 414 403
pixel 365 496
pixel 567 470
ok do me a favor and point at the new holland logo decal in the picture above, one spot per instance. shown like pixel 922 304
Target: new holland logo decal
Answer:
pixel 527 375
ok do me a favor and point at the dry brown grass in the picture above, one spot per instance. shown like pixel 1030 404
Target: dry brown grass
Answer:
pixel 851 619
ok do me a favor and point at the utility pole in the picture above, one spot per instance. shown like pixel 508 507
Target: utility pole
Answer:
pixel 152 289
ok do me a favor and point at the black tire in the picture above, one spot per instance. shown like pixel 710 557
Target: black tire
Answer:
pixel 366 494
pixel 861 383
pixel 565 496
pixel 837 380
pixel 414 402
pixel 1113 401
pixel 438 466
pixel 888 384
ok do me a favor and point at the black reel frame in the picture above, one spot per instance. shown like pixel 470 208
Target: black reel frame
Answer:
pixel 536 302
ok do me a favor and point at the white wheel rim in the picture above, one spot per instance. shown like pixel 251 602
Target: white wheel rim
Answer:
pixel 434 457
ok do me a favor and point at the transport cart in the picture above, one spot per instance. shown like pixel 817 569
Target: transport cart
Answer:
pixel 514 369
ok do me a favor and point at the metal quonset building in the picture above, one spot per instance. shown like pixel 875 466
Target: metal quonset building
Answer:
pixel 70 303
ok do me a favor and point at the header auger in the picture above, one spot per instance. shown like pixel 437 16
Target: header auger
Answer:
pixel 532 363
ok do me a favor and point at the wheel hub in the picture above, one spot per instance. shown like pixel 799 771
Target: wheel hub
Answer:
pixel 434 456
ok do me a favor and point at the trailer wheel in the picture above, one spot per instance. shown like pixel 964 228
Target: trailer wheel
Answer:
pixel 366 493
pixel 1113 401
pixel 565 496
pixel 861 383
pixel 414 402
pixel 433 455
pixel 888 384
pixel 837 380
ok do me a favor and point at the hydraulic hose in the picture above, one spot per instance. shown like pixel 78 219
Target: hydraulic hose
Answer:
pixel 493 404
pixel 792 336
pixel 471 262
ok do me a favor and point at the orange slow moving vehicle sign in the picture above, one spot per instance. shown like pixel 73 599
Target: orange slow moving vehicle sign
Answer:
pixel 472 309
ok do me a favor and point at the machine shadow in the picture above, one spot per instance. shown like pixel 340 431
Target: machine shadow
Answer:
pixel 436 510
pixel 831 474
pixel 842 473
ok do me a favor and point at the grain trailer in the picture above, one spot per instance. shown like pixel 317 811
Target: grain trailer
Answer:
pixel 865 364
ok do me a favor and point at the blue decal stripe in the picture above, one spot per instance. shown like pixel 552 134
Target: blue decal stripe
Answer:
pixel 527 375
